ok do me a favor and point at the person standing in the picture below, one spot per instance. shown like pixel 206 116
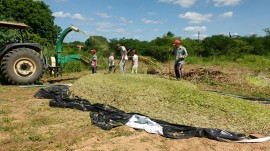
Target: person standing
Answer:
pixel 180 54
pixel 94 61
pixel 111 62
pixel 124 57
pixel 135 62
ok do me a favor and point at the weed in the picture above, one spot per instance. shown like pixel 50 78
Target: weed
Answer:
pixel 4 112
pixel 35 138
pixel 122 133
pixel 145 139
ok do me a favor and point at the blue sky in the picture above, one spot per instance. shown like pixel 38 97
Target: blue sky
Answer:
pixel 148 19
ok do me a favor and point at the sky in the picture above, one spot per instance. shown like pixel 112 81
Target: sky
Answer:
pixel 149 19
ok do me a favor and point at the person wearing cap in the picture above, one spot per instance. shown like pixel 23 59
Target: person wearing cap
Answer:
pixel 94 61
pixel 123 52
pixel 135 62
pixel 180 55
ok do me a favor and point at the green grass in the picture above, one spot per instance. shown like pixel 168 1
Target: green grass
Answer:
pixel 252 61
pixel 178 102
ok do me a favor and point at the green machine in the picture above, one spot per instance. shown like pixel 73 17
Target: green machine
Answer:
pixel 56 67
pixel 59 59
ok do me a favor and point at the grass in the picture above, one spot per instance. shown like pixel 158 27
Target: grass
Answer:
pixel 178 102
pixel 252 61
pixel 31 124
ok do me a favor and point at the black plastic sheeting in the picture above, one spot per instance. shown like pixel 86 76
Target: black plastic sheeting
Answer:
pixel 108 117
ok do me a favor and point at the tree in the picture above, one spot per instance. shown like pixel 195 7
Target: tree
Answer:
pixel 267 32
pixel 170 34
pixel 36 14
pixel 217 45
pixel 99 43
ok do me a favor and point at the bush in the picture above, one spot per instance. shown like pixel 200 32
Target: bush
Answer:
pixel 74 66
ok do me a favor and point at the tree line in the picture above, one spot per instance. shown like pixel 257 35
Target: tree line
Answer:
pixel 216 45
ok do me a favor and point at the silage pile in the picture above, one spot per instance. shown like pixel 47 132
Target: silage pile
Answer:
pixel 177 102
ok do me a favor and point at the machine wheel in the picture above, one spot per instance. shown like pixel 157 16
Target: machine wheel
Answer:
pixel 22 66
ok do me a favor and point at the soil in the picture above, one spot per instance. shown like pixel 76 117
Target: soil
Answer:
pixel 137 140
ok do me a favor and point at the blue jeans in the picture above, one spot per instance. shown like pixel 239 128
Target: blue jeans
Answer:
pixel 94 70
pixel 178 69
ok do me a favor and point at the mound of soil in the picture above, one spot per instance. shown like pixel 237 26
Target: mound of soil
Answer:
pixel 204 74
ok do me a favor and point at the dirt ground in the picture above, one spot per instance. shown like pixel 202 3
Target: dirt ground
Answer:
pixel 12 96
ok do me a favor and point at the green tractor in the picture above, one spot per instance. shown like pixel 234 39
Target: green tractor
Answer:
pixel 20 61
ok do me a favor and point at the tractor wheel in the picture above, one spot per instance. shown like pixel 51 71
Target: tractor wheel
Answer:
pixel 22 66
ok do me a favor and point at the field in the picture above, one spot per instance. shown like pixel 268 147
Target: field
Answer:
pixel 28 123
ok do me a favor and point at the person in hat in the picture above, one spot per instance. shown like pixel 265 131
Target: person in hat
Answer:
pixel 180 55
pixel 135 62
pixel 124 57
pixel 94 61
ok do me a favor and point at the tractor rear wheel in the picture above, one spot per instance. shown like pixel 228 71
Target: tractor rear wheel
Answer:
pixel 22 66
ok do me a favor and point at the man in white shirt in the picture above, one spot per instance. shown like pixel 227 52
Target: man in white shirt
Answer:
pixel 122 63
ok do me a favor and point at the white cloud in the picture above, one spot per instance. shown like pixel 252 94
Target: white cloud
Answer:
pixel 196 17
pixel 201 36
pixel 183 3
pixel 61 14
pixel 226 2
pixel 236 34
pixel 252 33
pixel 103 15
pixel 121 30
pixel 109 7
pixel 149 21
pixel 227 15
pixel 104 24
pixel 117 30
pixel 60 1
pixel 195 29
pixel 124 20
pixel 138 31
pixel 77 17
pixel 103 30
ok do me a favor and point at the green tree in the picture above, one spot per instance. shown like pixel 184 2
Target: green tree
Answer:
pixel 267 32
pixel 36 14
pixel 170 34
pixel 241 47
pixel 260 48
pixel 99 43
pixel 217 45
pixel 130 44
